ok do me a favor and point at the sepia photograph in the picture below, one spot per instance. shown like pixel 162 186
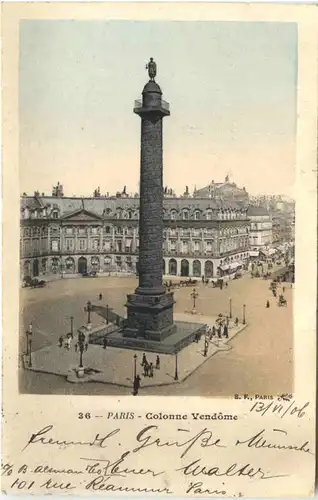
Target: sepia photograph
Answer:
pixel 157 210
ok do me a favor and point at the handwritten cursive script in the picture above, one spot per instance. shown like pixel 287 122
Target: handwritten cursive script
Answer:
pixel 205 438
pixel 260 440
pixel 41 437
pixel 117 467
pixel 196 468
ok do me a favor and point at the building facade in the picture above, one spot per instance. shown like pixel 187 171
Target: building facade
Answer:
pixel 283 226
pixel 261 227
pixel 67 236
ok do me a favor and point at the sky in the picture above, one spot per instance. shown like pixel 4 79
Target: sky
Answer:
pixel 231 88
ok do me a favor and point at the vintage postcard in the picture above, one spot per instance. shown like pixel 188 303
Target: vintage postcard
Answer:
pixel 159 249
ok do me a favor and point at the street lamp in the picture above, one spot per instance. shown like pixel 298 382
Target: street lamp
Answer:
pixel 176 377
pixel 72 332
pixel 28 334
pixel 230 308
pixel 81 345
pixel 30 352
pixel 194 295
pixel 107 314
pixel 88 309
pixel 206 346
pixel 135 366
pixel 244 307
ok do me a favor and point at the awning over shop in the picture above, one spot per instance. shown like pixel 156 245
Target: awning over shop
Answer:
pixel 235 265
pixel 271 251
pixel 254 253
pixel 225 267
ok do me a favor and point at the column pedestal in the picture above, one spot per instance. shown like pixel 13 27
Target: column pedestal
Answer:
pixel 149 316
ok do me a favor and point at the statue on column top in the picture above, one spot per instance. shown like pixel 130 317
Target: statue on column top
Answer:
pixel 152 69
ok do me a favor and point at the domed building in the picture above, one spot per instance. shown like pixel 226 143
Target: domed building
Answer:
pixel 226 191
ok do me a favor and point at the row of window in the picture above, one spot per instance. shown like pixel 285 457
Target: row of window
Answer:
pixel 94 244
pixel 185 214
pixel 124 231
pixel 81 231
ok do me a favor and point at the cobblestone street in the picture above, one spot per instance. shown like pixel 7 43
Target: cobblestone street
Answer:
pixel 259 359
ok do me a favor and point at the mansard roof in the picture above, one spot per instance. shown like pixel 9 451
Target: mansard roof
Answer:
pixel 256 210
pixel 99 207
pixel 31 202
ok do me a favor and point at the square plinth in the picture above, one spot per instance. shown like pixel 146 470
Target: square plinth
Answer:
pixel 149 317
pixel 184 334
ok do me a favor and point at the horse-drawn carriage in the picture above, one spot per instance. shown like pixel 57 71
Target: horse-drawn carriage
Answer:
pixel 188 282
pixel 218 283
pixel 282 302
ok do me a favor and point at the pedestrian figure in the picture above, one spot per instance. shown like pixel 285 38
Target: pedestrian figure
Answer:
pixel 236 321
pixel 146 369
pixel 151 370
pixel 213 331
pixel 86 346
pixel 267 304
pixel 105 342
pixel 226 332
pixel 219 332
pixel 202 279
pixel 61 341
pixel 144 360
pixel 136 385
pixel 157 363
pixel 68 343
pixel 226 284
pixel 283 289
pixel 100 296
pixel 76 347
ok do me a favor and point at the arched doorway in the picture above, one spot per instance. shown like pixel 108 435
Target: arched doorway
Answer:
pixel 163 266
pixel 208 269
pixel 44 265
pixel 95 263
pixel 184 267
pixel 197 268
pixel 173 267
pixel 26 268
pixel 55 265
pixel 35 267
pixel 70 265
pixel 107 263
pixel 82 265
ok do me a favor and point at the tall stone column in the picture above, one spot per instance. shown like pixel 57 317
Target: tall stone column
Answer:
pixel 151 204
pixel 150 309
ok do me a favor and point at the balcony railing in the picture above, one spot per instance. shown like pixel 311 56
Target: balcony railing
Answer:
pixel 138 103
pixel 164 104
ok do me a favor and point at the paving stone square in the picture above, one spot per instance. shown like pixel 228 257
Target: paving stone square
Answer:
pixel 256 359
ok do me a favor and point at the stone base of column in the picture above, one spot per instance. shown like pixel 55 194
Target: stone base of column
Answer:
pixel 149 316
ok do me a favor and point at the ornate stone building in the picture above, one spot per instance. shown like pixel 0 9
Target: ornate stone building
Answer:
pixel 261 231
pixel 65 236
